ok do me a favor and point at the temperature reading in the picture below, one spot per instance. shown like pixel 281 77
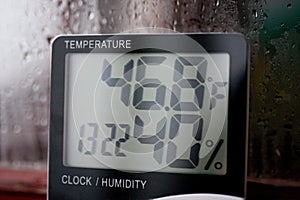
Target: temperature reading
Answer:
pixel 154 108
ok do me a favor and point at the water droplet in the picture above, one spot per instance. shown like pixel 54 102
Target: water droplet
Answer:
pixel 36 121
pixel 91 15
pixel 289 5
pixel 77 14
pixel 17 128
pixel 202 7
pixel 175 22
pixel 4 128
pixel 40 53
pixel 293 45
pixel 44 121
pixel 28 114
pixel 73 6
pixel 8 91
pixel 66 14
pixel 27 56
pixel 217 3
pixel 23 84
pixel 278 98
pixel 36 87
pixel 277 152
pixel 267 78
pixel 38 70
pixel 254 13
pixel 80 3
pixel 265 16
pixel 103 21
pixel 53 17
pixel 95 28
pixel 43 98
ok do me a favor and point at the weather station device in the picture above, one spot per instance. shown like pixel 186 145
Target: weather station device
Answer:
pixel 148 116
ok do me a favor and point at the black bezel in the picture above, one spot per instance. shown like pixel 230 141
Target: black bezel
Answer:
pixel 159 184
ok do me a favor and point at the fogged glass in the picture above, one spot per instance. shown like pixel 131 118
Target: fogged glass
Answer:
pixel 271 27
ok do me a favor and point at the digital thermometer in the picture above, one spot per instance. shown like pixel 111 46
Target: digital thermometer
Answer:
pixel 145 116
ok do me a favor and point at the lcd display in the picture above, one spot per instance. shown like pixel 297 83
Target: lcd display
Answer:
pixel 142 112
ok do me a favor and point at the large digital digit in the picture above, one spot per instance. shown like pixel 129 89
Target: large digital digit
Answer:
pixel 144 83
pixel 182 83
pixel 156 140
pixel 122 82
pixel 197 124
pixel 82 146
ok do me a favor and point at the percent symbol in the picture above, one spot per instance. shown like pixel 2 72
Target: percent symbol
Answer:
pixel 213 155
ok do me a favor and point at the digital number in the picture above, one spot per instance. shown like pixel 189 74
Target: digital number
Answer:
pixel 112 137
pixel 82 147
pixel 197 123
pixel 182 83
pixel 143 83
pixel 156 139
pixel 119 82
pixel 88 146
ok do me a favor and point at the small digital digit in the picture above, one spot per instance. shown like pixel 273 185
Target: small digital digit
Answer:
pixel 147 112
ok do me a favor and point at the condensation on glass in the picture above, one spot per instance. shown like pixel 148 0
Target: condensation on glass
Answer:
pixel 271 27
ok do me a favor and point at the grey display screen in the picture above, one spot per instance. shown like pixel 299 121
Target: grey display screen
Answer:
pixel 142 112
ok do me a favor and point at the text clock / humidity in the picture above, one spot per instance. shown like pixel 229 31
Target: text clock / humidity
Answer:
pixel 148 116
